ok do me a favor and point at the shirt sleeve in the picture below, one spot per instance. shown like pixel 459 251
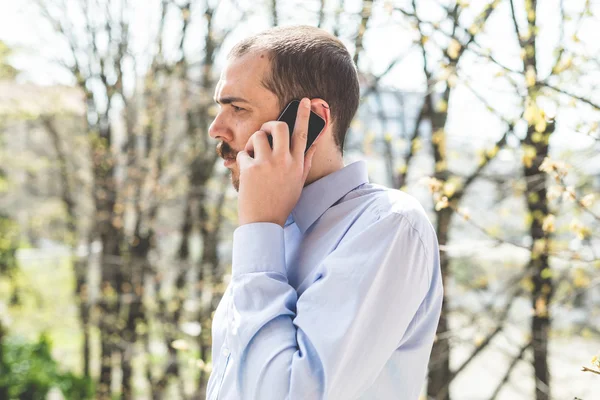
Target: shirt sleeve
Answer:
pixel 333 341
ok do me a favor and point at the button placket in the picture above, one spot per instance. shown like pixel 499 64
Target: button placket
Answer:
pixel 226 354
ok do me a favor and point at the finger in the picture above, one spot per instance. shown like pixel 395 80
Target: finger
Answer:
pixel 300 134
pixel 280 134
pixel 243 159
pixel 258 145
pixel 308 160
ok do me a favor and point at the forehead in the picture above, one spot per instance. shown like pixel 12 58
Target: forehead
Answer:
pixel 242 77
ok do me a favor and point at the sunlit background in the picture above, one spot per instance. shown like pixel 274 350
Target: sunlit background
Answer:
pixel 116 215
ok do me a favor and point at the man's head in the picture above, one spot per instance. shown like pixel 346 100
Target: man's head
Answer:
pixel 266 71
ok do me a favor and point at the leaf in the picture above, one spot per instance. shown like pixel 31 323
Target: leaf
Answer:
pixel 443 203
pixel 540 127
pixel 548 224
pixel 453 49
pixel 529 154
pixel 416 145
pixel 442 106
pixel 530 76
pixel 527 284
pixel 580 280
pixel 588 200
pixel 546 273
pixel 541 308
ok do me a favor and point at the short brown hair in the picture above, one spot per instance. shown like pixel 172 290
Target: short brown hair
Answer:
pixel 308 62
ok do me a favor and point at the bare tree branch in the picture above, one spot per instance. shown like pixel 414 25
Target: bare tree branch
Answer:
pixel 508 372
pixel 367 6
pixel 595 106
pixel 515 23
pixel 321 14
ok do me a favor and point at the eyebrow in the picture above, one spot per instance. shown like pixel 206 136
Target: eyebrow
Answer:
pixel 229 100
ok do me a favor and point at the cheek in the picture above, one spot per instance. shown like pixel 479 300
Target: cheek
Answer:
pixel 245 130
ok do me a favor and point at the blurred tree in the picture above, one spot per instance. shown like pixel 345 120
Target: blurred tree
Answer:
pixel 538 90
pixel 448 187
pixel 8 266
pixel 27 370
pixel 443 42
pixel 7 71
pixel 536 149
pixel 8 235
pixel 134 172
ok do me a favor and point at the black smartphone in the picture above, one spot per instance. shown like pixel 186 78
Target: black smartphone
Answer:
pixel 288 115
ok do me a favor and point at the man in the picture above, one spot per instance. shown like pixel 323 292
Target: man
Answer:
pixel 336 289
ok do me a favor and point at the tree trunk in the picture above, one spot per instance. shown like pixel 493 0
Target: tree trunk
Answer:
pixel 3 383
pixel 543 287
pixel 81 263
pixel 82 292
pixel 106 350
pixel 439 373
pixel 439 364
pixel 535 150
pixel 111 262
pixel 133 291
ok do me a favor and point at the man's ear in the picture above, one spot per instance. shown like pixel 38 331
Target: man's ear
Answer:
pixel 321 108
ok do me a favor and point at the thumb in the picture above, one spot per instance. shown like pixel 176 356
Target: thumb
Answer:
pixel 308 160
pixel 243 159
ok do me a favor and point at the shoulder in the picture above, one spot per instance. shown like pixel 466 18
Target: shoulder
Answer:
pixel 385 203
pixel 397 204
pixel 400 211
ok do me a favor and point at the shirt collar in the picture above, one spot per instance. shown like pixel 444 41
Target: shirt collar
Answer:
pixel 321 194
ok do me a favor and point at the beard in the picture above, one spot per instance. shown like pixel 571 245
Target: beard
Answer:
pixel 235 178
pixel 225 151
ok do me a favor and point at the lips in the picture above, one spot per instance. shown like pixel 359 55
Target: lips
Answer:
pixel 228 161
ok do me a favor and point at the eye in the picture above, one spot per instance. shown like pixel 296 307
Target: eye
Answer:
pixel 237 109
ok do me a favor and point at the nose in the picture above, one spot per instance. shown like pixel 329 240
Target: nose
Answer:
pixel 219 130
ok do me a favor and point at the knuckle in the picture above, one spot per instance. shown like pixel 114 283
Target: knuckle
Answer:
pixel 260 135
pixel 280 126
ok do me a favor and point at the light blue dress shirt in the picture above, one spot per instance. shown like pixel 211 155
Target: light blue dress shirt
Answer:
pixel 342 303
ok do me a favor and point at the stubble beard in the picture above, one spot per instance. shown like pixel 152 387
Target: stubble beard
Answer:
pixel 235 180
pixel 225 151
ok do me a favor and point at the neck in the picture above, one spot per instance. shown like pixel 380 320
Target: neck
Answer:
pixel 324 164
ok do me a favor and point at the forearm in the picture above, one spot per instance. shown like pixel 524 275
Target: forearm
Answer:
pixel 272 354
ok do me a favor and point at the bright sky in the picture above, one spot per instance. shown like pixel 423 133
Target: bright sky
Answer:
pixel 385 40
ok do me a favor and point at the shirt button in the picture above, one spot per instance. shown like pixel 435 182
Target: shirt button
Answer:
pixel 225 351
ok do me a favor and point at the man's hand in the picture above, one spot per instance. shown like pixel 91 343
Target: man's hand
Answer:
pixel 271 182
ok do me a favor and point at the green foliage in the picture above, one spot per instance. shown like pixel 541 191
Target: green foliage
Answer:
pixel 8 244
pixel 28 372
pixel 6 70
